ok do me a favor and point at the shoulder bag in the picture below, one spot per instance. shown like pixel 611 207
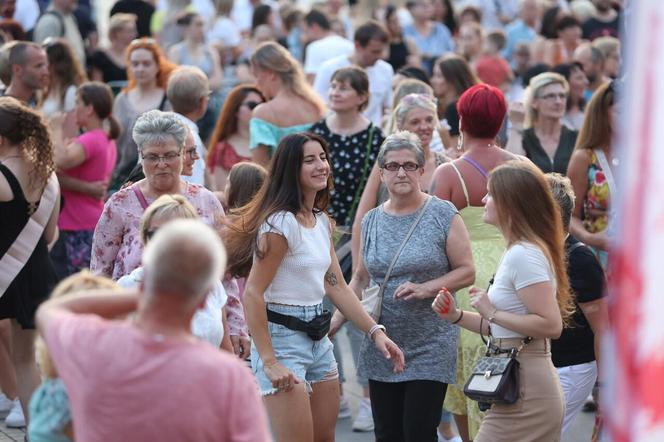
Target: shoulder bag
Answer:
pixel 372 297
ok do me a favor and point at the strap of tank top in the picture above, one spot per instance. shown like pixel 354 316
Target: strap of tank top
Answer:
pixel 476 165
pixel 463 183
pixel 13 182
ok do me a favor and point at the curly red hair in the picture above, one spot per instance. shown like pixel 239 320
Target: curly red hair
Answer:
pixel 165 65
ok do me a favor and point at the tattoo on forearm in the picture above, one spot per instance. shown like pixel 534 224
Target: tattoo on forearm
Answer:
pixel 331 278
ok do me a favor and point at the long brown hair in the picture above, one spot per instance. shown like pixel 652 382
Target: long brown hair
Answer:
pixel 245 180
pixel 227 122
pixel 280 192
pixel 528 212
pixel 25 128
pixel 597 129
pixel 100 96
pixel 64 68
pixel 457 73
pixel 165 66
pixel 273 57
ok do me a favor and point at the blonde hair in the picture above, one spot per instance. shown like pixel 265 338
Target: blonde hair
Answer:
pixel 537 83
pixel 607 45
pixel 82 281
pixel 527 211
pixel 169 206
pixel 271 56
pixel 119 20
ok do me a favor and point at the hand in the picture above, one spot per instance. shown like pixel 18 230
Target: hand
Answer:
pixel 97 189
pixel 445 305
pixel 410 290
pixel 517 114
pixel 599 240
pixel 282 379
pixel 338 320
pixel 241 346
pixel 389 349
pixel 480 302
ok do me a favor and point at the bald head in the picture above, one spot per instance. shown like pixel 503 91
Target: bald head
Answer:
pixel 591 60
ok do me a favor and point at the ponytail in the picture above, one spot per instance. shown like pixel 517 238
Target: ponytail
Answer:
pixel 114 128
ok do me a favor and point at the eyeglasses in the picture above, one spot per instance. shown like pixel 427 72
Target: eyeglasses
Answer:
pixel 191 151
pixel 552 96
pixel 408 166
pixel 156 159
pixel 251 105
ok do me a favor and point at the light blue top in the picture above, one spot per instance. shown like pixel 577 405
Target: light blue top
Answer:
pixel 517 32
pixel 49 412
pixel 268 134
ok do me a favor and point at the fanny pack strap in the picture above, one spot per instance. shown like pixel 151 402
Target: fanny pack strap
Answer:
pixel 290 322
pixel 19 252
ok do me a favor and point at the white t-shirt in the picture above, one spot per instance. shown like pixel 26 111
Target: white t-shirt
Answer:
pixel 380 85
pixel 299 278
pixel 225 31
pixel 207 324
pixel 522 265
pixel 327 48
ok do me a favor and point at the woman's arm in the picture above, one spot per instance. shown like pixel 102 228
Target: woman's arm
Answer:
pixel 367 202
pixel 107 239
pixel 218 178
pixel 462 269
pixel 69 155
pixel 349 305
pixel 217 74
pixel 445 306
pixel 260 277
pixel 597 315
pixel 51 230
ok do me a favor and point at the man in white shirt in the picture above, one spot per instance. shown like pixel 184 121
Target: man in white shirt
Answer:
pixel 323 44
pixel 188 91
pixel 371 40
pixel 58 21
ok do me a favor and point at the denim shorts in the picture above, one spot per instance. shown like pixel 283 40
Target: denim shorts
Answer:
pixel 310 361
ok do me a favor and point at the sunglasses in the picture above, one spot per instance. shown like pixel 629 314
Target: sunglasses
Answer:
pixel 251 105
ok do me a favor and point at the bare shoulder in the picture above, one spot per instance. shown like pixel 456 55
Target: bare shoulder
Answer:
pixel 263 111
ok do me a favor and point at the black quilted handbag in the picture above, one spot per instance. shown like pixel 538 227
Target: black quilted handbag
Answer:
pixel 495 378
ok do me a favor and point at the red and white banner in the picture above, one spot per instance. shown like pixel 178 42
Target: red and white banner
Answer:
pixel 633 366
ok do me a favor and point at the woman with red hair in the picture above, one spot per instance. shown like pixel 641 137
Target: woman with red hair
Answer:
pixel 463 181
pixel 147 74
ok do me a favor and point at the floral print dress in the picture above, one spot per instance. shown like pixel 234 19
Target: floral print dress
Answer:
pixel 596 201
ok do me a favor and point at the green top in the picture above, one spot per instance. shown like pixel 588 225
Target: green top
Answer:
pixel 267 134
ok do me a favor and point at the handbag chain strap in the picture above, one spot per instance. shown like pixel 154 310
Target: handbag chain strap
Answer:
pixel 403 244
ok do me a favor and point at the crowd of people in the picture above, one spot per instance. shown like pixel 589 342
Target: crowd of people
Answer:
pixel 222 183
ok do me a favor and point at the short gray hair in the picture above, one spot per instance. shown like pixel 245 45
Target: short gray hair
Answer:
pixel 410 102
pixel 156 127
pixel 402 140
pixel 184 258
pixel 563 193
pixel 186 86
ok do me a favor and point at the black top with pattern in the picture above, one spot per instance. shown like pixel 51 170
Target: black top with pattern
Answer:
pixel 347 157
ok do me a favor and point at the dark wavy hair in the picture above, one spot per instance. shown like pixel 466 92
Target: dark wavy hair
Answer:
pixel 64 67
pixel 280 192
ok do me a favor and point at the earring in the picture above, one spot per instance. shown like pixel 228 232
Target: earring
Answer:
pixel 460 142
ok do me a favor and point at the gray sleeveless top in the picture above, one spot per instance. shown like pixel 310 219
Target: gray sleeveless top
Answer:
pixel 429 343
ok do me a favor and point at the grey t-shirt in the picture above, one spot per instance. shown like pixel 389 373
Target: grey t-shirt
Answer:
pixel 429 344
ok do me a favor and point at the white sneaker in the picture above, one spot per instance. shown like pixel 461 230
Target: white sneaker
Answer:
pixel 364 420
pixel 5 405
pixel 15 418
pixel 344 408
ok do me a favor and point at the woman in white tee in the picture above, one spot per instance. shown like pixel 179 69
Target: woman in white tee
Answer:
pixel 283 240
pixel 529 297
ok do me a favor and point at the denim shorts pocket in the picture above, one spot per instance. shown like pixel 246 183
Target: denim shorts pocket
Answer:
pixel 278 330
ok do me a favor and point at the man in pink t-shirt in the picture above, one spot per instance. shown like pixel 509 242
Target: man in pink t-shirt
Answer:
pixel 149 379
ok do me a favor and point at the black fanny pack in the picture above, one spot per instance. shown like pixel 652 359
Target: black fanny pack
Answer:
pixel 316 329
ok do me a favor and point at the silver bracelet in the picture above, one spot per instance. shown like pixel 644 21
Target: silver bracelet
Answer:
pixel 375 328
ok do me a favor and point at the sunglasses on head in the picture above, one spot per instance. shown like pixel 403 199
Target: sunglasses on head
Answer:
pixel 251 105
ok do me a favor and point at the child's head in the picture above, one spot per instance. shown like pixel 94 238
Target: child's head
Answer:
pixel 244 181
pixel 494 42
pixel 82 281
pixel 95 99
pixel 164 209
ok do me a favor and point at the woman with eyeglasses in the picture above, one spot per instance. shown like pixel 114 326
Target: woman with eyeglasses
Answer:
pixel 147 71
pixel 416 113
pixel 481 110
pixel 407 406
pixel 161 139
pixel 541 135
pixel 229 143
pixel 526 305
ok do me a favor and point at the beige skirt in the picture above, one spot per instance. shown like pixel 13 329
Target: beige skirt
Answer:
pixel 538 414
